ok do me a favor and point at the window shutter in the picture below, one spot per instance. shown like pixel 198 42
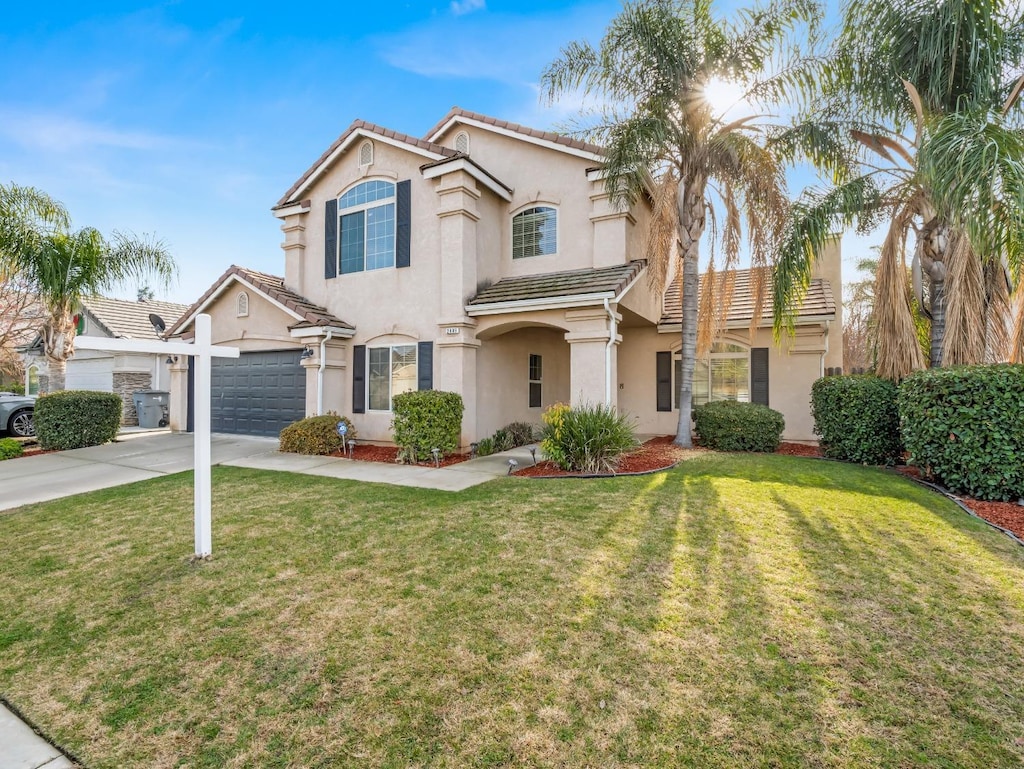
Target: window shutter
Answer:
pixel 403 215
pixel 664 379
pixel 331 239
pixel 759 375
pixel 425 366
pixel 359 379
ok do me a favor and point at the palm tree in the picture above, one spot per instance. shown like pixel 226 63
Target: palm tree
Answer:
pixel 927 95
pixel 662 139
pixel 61 266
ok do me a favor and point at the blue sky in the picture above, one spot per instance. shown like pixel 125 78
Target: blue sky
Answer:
pixel 189 119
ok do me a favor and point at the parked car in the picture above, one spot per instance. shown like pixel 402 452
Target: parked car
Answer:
pixel 16 414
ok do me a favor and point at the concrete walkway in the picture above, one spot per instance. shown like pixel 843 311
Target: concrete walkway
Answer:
pixel 22 748
pixel 138 455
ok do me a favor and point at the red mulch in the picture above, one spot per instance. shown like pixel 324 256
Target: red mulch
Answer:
pixel 388 455
pixel 798 450
pixel 655 454
pixel 1006 514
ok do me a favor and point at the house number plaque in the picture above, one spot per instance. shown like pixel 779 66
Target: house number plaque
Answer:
pixel 453 331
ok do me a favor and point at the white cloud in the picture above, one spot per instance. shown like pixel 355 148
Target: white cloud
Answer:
pixel 63 133
pixel 462 7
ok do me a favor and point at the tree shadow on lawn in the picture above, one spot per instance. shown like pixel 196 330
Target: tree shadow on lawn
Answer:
pixel 926 627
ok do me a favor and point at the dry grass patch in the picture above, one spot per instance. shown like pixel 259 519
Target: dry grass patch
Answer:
pixel 738 610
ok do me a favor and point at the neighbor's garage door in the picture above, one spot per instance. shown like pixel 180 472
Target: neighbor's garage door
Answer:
pixel 257 393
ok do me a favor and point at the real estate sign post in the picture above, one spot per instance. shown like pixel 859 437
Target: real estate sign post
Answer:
pixel 203 350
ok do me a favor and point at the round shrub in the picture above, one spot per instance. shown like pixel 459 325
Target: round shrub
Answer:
pixel 964 427
pixel 425 420
pixel 733 426
pixel 10 448
pixel 587 439
pixel 74 419
pixel 857 419
pixel 315 435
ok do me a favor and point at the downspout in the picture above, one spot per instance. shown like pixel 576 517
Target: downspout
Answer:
pixel 608 353
pixel 821 366
pixel 320 373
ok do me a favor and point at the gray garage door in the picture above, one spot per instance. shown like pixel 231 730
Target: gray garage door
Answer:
pixel 258 393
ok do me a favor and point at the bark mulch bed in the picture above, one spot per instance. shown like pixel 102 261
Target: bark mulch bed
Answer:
pixel 656 454
pixel 389 455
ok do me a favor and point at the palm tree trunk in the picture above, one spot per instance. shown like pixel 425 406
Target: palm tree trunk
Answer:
pixel 938 330
pixel 58 369
pixel 691 227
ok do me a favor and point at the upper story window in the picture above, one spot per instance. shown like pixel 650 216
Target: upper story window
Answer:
pixel 723 376
pixel 366 215
pixel 242 305
pixel 535 232
pixel 462 142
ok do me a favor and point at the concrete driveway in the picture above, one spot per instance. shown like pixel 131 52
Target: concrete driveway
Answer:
pixel 131 458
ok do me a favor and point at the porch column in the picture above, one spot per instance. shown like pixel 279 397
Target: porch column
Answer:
pixel 178 406
pixel 456 370
pixel 592 366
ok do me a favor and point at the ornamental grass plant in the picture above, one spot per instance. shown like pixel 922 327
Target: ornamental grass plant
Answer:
pixel 587 439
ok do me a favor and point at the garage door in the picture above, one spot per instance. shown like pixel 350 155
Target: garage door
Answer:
pixel 90 374
pixel 258 393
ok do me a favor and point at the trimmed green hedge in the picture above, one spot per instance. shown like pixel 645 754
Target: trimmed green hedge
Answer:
pixel 74 419
pixel 857 419
pixel 426 419
pixel 586 438
pixel 964 427
pixel 316 435
pixel 733 426
pixel 10 448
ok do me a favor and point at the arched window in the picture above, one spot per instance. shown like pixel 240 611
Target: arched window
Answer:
pixel 462 142
pixel 242 305
pixel 535 232
pixel 366 154
pixel 723 376
pixel 32 380
pixel 366 227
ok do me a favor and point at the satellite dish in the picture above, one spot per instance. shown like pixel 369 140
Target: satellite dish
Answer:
pixel 158 324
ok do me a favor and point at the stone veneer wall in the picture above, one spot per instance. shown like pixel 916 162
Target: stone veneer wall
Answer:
pixel 127 384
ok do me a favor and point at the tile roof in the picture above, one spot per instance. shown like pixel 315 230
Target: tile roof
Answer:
pixel 312 315
pixel 130 320
pixel 818 301
pixel 423 144
pixel 551 136
pixel 551 285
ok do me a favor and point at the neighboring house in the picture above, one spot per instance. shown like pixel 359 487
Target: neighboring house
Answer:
pixel 121 373
pixel 487 259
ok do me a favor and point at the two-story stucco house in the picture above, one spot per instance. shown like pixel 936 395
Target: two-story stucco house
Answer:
pixel 484 258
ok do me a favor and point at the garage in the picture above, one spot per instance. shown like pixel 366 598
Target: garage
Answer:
pixel 258 393
pixel 84 373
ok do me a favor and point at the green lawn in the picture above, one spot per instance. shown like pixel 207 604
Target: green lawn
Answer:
pixel 736 611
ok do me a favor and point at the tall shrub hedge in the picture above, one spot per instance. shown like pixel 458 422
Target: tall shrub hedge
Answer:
pixel 857 418
pixel 964 427
pixel 74 419
pixel 733 426
pixel 427 419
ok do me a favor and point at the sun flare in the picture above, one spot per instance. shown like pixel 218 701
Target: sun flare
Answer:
pixel 723 96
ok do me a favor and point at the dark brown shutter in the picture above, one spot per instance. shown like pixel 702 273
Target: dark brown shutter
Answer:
pixel 331 239
pixel 759 375
pixel 359 379
pixel 664 379
pixel 403 231
pixel 425 366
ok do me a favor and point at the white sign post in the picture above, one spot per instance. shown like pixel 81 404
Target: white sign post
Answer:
pixel 203 351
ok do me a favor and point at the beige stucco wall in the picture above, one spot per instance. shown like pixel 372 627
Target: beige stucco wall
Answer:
pixel 503 377
pixel 790 376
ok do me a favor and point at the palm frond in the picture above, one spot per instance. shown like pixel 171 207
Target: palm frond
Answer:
pixel 899 353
